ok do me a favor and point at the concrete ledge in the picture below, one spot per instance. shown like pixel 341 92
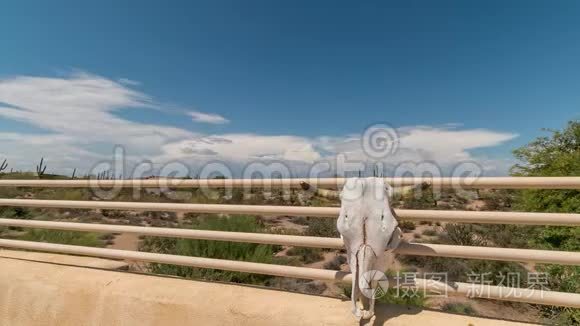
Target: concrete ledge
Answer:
pixel 65 259
pixel 34 293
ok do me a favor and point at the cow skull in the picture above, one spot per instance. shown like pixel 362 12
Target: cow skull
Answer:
pixel 368 228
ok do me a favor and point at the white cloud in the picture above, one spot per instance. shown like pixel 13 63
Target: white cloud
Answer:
pixel 420 143
pixel 82 107
pixel 242 147
pixel 79 125
pixel 207 117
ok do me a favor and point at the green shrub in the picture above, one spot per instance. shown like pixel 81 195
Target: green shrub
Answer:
pixel 459 308
pixel 401 297
pixel 407 226
pixel 251 252
pixel 113 213
pixel 15 212
pixel 335 263
pixel 463 234
pixel 64 237
pixel 322 227
pixel 300 220
pixel 394 296
pixel 557 154
pixel 420 198
pixel 430 232
pixel 307 255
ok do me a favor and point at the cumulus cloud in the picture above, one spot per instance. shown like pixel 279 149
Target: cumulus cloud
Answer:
pixel 420 143
pixel 241 147
pixel 207 117
pixel 82 108
pixel 78 125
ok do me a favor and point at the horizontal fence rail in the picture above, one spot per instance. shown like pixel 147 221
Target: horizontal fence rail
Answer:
pixel 444 182
pixel 420 249
pixel 455 288
pixel 563 219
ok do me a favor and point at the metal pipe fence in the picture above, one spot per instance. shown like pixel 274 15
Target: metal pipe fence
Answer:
pixel 424 249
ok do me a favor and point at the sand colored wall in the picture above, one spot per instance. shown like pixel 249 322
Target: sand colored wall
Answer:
pixel 37 293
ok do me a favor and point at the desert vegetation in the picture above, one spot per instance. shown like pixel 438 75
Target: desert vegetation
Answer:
pixel 556 155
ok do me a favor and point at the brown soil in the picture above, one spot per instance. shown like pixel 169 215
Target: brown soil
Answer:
pixel 125 241
pixel 284 222
pixel 492 308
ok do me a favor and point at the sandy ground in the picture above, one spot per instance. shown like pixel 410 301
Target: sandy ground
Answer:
pixel 284 222
pixel 492 308
pixel 125 241
pixel 55 295
pixel 475 205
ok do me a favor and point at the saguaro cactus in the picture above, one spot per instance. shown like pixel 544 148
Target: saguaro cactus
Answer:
pixel 3 166
pixel 105 175
pixel 41 168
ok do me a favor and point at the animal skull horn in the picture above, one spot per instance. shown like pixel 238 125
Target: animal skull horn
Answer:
pixel 368 227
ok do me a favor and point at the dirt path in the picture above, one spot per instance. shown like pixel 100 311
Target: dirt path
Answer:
pixel 125 241
pixel 328 257
pixel 284 222
pixel 129 241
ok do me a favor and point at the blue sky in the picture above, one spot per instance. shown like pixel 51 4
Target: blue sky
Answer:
pixel 296 75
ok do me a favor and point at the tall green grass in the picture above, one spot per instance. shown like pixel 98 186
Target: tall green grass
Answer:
pixel 251 252
pixel 63 237
pixel 394 296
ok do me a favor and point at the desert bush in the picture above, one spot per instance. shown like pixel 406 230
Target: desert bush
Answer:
pixel 322 227
pixel 498 200
pixel 15 212
pixel 459 308
pixel 298 285
pixel 402 297
pixel 251 252
pixel 113 213
pixel 463 234
pixel 108 238
pixel 300 220
pixel 63 237
pixel 430 232
pixel 463 269
pixel 69 194
pixel 335 263
pixel 394 296
pixel 407 226
pixel 420 198
pixel 307 255
pixel 444 206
